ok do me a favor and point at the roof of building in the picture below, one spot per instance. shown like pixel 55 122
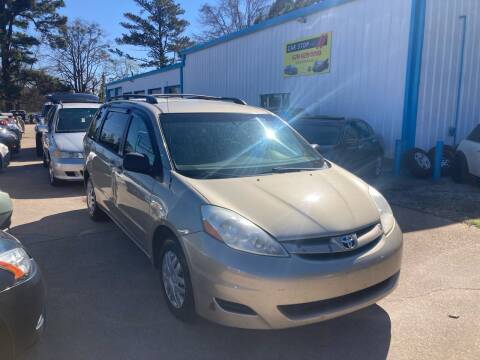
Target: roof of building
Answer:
pixel 289 16
pixel 148 73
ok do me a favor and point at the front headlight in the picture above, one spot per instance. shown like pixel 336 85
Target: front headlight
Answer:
pixel 386 214
pixel 238 232
pixel 17 262
pixel 67 154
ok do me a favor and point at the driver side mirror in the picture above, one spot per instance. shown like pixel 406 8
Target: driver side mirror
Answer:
pixel 138 163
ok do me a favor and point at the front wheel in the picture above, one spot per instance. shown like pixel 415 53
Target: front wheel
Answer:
pixel 96 214
pixel 176 283
pixel 38 145
pixel 53 180
pixel 460 172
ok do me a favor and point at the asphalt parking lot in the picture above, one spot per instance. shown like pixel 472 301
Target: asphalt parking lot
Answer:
pixel 104 299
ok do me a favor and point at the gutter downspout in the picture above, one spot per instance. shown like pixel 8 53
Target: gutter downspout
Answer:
pixel 414 69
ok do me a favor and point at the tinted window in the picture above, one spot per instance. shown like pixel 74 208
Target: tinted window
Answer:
pixel 94 129
pixel 138 139
pixel 475 135
pixel 74 120
pixel 231 145
pixel 319 133
pixel 351 134
pixel 113 129
pixel 364 130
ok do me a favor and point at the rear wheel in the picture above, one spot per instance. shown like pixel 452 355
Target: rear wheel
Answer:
pixel 447 159
pixel 96 214
pixel 176 283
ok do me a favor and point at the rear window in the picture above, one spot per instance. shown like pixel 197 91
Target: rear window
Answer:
pixel 318 133
pixel 74 120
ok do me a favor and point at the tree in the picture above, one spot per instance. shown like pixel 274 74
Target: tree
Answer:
pixel 159 29
pixel 24 24
pixel 81 56
pixel 121 66
pixel 228 16
pixel 38 83
pixel 280 7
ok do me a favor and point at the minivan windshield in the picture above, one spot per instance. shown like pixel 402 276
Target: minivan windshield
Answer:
pixel 218 145
pixel 75 119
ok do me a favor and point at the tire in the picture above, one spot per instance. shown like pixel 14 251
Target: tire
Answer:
pixel 51 176
pixel 447 160
pixel 173 268
pixel 45 160
pixel 38 145
pixel 94 211
pixel 418 163
pixel 460 172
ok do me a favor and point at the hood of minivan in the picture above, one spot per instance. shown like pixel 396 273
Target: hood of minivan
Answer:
pixel 69 141
pixel 295 205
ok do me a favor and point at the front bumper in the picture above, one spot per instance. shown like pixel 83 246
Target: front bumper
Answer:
pixel 22 309
pixel 67 169
pixel 286 292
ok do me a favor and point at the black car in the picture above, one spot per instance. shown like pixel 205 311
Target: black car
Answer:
pixel 10 139
pixel 350 143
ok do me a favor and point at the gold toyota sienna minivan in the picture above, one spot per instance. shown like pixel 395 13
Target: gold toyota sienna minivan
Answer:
pixel 247 224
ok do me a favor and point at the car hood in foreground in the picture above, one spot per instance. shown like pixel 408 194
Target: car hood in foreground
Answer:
pixel 69 141
pixel 295 205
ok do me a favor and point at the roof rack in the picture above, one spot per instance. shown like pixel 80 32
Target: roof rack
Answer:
pixel 57 98
pixel 201 97
pixel 152 99
pixel 148 98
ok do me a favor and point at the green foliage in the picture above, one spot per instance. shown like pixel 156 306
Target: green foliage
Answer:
pixel 157 28
pixel 24 24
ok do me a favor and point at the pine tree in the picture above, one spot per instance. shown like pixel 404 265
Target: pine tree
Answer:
pixel 157 28
pixel 24 24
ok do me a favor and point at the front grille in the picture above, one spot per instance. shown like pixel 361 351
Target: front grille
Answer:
pixel 329 247
pixel 343 254
pixel 318 308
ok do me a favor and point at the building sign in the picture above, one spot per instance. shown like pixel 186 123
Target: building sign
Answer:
pixel 308 56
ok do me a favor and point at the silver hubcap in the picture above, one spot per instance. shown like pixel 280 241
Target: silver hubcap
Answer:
pixel 173 280
pixel 50 172
pixel 423 161
pixel 90 198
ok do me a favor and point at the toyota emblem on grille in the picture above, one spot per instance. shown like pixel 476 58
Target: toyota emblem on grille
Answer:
pixel 348 241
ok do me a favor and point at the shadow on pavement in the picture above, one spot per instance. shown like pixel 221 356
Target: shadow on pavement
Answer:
pixel 104 302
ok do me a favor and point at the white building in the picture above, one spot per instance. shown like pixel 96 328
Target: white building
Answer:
pixel 408 67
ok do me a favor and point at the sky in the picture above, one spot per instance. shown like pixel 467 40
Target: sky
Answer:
pixel 109 14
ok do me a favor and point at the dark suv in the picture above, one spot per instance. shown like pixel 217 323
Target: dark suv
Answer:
pixel 350 143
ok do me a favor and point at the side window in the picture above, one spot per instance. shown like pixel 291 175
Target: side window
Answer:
pixel 351 135
pixel 139 139
pixel 96 123
pixel 50 116
pixel 364 129
pixel 475 135
pixel 113 130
